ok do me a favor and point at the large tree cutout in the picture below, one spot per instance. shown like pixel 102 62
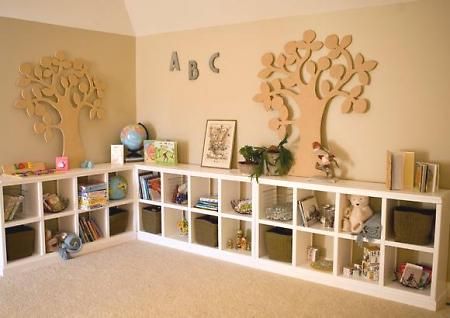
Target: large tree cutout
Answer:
pixel 311 85
pixel 66 87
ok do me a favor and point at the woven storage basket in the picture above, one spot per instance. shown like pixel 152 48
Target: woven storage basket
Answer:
pixel 279 244
pixel 206 230
pixel 413 226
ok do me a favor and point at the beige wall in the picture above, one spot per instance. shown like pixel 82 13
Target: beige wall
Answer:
pixel 409 92
pixel 110 57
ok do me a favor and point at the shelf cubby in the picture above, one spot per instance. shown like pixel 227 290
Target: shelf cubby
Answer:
pixel 64 188
pixel 235 190
pixel 275 247
pixel 375 204
pixel 205 229
pixel 350 253
pixel 171 182
pixel 322 198
pixel 229 231
pixel 29 209
pixel 323 243
pixel 203 187
pixel 279 198
pixel 171 219
pixel 143 180
pixel 128 176
pixel 120 219
pixel 58 225
pixel 23 244
pixel 395 256
pixel 150 218
pixel 99 216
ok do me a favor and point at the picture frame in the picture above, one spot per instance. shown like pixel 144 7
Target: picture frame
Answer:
pixel 309 210
pixel 218 143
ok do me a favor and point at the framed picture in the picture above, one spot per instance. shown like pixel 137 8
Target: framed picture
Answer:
pixel 309 210
pixel 218 143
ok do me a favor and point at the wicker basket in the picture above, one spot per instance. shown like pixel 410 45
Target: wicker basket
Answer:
pixel 279 244
pixel 413 226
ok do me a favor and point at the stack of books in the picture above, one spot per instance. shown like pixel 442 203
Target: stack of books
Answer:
pixel 92 195
pixel 427 176
pixel 150 186
pixel 208 203
pixel 400 170
pixel 89 230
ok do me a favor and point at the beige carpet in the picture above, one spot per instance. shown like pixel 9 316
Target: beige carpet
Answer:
pixel 138 279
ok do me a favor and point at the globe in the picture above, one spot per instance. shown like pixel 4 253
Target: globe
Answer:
pixel 133 136
pixel 118 187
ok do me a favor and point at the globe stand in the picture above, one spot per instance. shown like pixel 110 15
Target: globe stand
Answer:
pixel 134 155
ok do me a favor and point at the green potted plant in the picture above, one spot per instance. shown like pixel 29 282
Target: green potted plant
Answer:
pixel 274 160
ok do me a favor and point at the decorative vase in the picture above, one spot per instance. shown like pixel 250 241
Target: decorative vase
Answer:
pixel 272 163
pixel 247 167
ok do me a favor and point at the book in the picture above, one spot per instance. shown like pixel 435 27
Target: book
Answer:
pixel 90 187
pixel 432 182
pixel 412 275
pixel 117 154
pixel 149 151
pixel 400 170
pixel 154 188
pixel 144 185
pixel 166 152
pixel 408 170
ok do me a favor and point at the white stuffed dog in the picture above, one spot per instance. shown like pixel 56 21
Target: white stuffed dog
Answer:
pixel 356 214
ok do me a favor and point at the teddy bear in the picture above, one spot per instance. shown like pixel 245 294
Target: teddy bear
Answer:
pixel 356 214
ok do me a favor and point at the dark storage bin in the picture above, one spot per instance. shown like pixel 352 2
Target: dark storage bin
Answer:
pixel 151 219
pixel 413 226
pixel 19 242
pixel 279 244
pixel 206 228
pixel 118 220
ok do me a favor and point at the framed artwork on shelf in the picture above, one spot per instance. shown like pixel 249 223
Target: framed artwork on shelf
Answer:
pixel 218 143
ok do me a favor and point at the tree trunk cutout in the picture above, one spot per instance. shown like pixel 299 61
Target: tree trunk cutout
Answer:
pixel 66 87
pixel 311 85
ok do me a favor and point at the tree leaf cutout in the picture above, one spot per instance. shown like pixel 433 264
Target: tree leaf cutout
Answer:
pixel 265 73
pixel 337 71
pixel 23 82
pixel 64 82
pixel 369 65
pixel 276 84
pixel 290 47
pixel 47 119
pixel 259 98
pixel 332 41
pixel 47 91
pixel 316 45
pixel 265 88
pixel 281 60
pixel 48 135
pixel 39 128
pixel 46 61
pixel 26 94
pixel 283 113
pixel 267 59
pixel 310 67
pixel 38 71
pixel 274 124
pixel 360 105
pixel 36 91
pixel 359 59
pixel 277 102
pixel 73 80
pixel 30 110
pixel 92 114
pixel 267 102
pixel 334 54
pixel 323 63
pixel 83 87
pixel 363 78
pixel 309 36
pixel 356 91
pixel 40 109
pixel 21 103
pixel 291 59
pixel 76 98
pixel 288 82
pixel 282 131
pixel 26 68
pixel 325 87
pixel 47 73
pixel 346 41
pixel 346 106
pixel 100 113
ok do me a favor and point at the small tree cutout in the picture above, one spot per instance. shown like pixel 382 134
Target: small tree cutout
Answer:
pixel 311 84
pixel 65 86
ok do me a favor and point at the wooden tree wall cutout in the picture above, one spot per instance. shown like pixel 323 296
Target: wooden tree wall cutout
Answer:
pixel 311 84
pixel 65 86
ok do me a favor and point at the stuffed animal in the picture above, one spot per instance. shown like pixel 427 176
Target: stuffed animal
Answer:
pixel 356 214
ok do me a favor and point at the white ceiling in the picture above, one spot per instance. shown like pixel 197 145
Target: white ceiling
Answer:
pixel 144 17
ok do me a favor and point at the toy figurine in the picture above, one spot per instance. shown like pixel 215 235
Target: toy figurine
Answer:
pixel 326 160
pixel 356 214
pixel 238 241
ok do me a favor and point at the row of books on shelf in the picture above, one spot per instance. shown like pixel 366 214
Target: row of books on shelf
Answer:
pixel 404 173
pixel 150 186
pixel 89 229
pixel 208 202
pixel 92 195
